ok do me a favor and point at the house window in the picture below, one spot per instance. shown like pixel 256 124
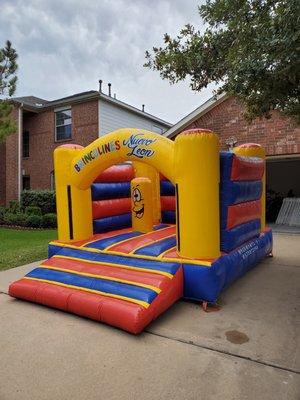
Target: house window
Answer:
pixel 52 180
pixel 25 144
pixel 26 182
pixel 63 125
pixel 157 129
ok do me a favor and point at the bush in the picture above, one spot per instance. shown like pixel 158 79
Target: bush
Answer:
pixel 14 206
pixel 18 219
pixel 2 213
pixel 34 221
pixel 49 221
pixel 33 210
pixel 44 199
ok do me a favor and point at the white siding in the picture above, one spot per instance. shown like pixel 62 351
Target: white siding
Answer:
pixel 112 117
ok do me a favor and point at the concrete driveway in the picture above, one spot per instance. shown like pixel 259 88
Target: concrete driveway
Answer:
pixel 247 350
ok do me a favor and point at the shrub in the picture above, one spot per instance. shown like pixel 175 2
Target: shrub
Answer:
pixel 49 220
pixel 33 210
pixel 18 219
pixel 45 199
pixel 14 206
pixel 2 213
pixel 34 221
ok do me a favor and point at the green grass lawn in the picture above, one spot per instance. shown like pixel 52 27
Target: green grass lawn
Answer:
pixel 19 247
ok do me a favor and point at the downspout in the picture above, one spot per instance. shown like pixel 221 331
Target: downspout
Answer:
pixel 20 128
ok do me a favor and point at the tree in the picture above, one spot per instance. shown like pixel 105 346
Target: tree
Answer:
pixel 250 48
pixel 8 81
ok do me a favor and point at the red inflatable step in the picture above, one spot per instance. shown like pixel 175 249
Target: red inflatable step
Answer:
pixel 121 296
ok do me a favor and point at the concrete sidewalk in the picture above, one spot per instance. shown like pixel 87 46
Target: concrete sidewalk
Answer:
pixel 248 350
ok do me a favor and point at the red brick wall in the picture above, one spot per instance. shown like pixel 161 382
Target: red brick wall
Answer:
pixel 42 143
pixel 279 134
pixel 85 122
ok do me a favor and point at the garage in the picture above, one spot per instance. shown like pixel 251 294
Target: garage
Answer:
pixel 279 135
pixel 283 180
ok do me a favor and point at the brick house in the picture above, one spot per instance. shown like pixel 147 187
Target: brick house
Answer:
pixel 279 135
pixel 27 155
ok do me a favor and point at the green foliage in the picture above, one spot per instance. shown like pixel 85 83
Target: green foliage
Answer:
pixel 2 213
pixel 8 82
pixel 8 68
pixel 33 216
pixel 44 199
pixel 7 124
pixel 14 206
pixel 49 220
pixel 37 210
pixel 17 219
pixel 33 210
pixel 250 48
pixel 34 221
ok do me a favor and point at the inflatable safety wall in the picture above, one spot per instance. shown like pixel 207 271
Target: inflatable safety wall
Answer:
pixel 167 200
pixel 240 193
pixel 111 204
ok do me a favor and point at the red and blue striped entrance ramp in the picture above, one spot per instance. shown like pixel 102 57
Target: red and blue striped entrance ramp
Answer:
pixel 126 278
pixel 123 291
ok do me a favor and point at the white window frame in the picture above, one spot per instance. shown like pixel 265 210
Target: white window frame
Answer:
pixel 56 110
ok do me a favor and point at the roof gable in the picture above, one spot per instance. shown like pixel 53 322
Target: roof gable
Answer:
pixel 37 104
pixel 194 115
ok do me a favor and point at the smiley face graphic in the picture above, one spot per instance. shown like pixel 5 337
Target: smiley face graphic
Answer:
pixel 138 205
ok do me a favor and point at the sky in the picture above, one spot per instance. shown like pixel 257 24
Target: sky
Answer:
pixel 65 47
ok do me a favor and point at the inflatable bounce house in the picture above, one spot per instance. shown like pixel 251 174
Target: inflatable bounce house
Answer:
pixel 144 221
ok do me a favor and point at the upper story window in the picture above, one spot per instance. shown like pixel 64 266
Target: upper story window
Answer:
pixel 157 129
pixel 63 124
pixel 25 144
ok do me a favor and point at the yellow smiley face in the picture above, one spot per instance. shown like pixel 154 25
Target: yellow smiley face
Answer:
pixel 138 205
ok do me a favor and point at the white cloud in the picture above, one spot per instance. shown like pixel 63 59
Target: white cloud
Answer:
pixel 65 46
